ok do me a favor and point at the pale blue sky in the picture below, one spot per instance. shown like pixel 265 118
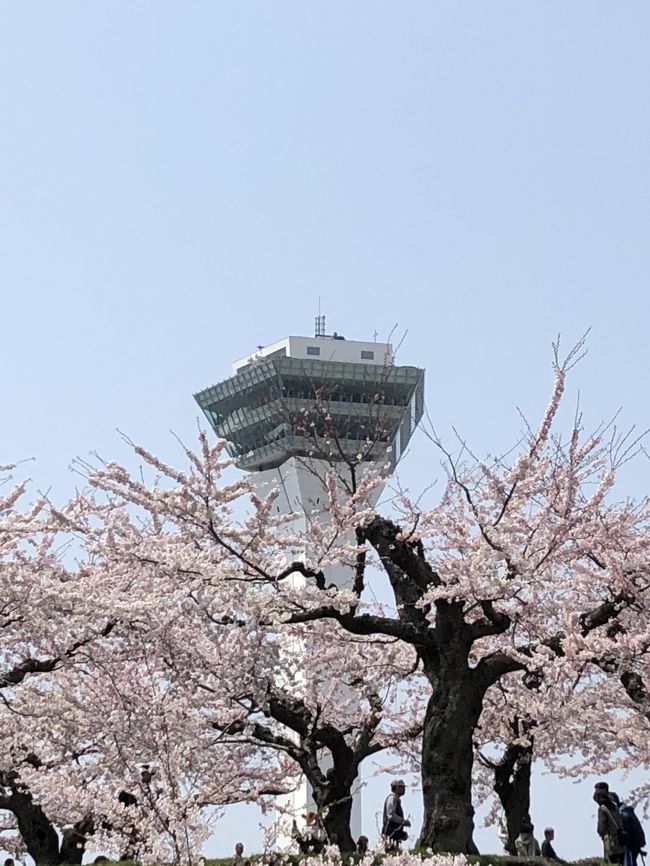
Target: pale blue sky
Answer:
pixel 181 181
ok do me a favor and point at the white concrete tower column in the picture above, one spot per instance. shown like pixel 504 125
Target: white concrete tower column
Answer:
pixel 271 412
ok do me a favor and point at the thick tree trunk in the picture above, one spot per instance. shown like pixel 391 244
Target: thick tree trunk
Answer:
pixel 73 843
pixel 37 831
pixel 72 847
pixel 447 758
pixel 512 787
pixel 337 824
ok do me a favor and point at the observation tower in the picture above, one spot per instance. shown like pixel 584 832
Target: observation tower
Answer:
pixel 295 408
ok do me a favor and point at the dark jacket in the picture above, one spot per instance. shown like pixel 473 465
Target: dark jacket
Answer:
pixel 608 828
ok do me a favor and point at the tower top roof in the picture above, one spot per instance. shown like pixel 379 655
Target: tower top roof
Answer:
pixel 327 347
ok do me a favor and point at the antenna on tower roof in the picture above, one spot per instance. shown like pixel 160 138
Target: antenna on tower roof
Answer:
pixel 319 323
pixel 319 326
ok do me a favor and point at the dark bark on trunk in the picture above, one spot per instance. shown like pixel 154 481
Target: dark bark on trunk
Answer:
pixel 512 787
pixel 447 759
pixel 332 793
pixel 37 831
pixel 73 843
pixel 72 846
pixel 337 824
pixel 330 765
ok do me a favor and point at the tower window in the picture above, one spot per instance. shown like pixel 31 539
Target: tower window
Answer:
pixel 313 350
pixel 367 355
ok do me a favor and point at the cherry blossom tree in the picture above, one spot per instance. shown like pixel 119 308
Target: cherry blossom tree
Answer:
pixel 116 757
pixel 519 561
pixel 72 736
pixel 525 718
pixel 44 625
pixel 333 705
pixel 313 695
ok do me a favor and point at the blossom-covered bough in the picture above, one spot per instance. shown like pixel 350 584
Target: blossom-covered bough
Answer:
pixel 83 705
pixel 309 699
pixel 45 626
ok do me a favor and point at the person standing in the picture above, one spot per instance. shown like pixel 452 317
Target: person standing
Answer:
pixel 394 823
pixel 609 824
pixel 634 835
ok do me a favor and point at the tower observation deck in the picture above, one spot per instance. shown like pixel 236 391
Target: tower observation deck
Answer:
pixel 323 397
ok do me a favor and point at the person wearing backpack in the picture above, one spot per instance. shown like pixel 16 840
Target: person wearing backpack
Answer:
pixel 610 824
pixel 634 835
pixel 394 823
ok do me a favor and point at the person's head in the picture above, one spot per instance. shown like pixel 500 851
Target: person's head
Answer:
pixel 601 792
pixel 549 834
pixel 239 849
pixel 362 844
pixel 527 826
pixel 398 787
